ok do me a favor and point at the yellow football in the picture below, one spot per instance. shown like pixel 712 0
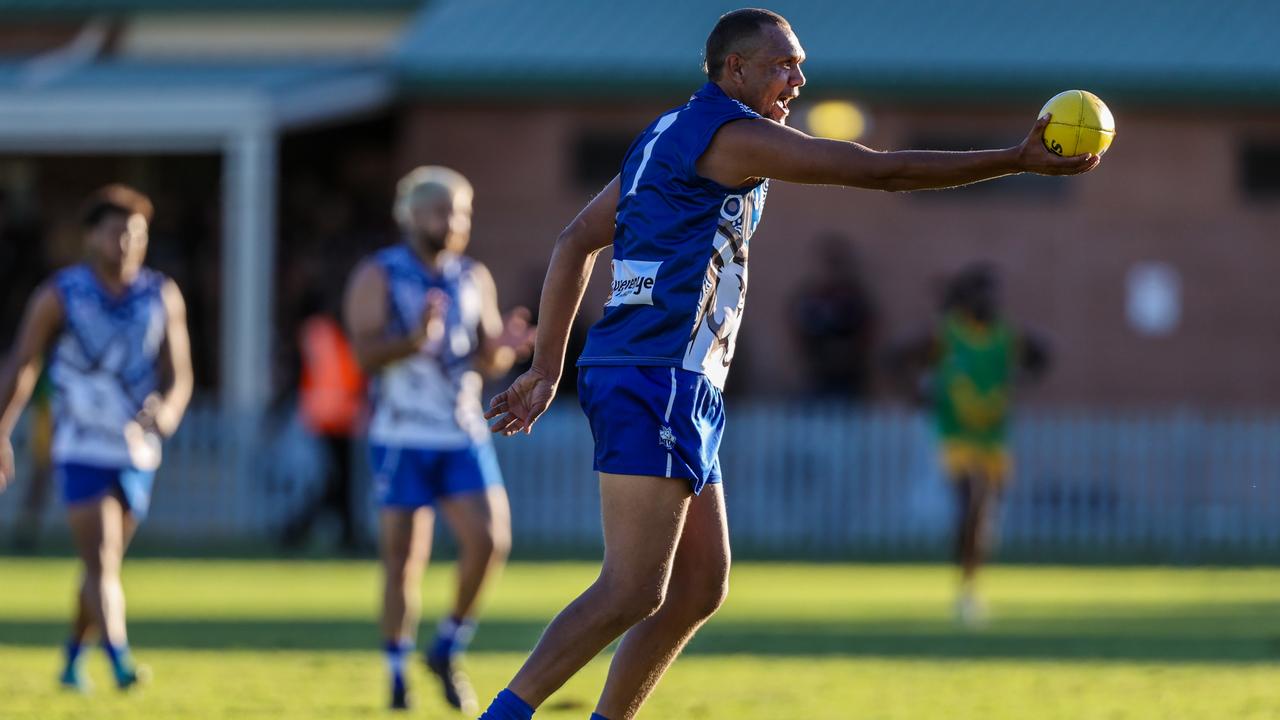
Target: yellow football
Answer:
pixel 1081 123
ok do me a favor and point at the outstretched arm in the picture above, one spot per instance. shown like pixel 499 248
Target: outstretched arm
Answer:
pixel 572 260
pixel 18 376
pixel 743 150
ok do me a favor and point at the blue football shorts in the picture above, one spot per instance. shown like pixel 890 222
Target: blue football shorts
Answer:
pixel 84 483
pixel 656 421
pixel 409 478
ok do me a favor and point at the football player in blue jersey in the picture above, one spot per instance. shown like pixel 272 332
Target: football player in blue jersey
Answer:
pixel 425 324
pixel 680 217
pixel 120 366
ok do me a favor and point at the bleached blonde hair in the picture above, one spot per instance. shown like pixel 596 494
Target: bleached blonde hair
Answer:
pixel 428 181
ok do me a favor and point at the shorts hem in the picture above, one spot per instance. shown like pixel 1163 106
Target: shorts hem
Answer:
pixel 695 483
pixel 621 361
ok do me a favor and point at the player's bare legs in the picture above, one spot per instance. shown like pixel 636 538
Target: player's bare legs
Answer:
pixel 405 545
pixel 699 584
pixel 977 494
pixel 101 530
pixel 481 522
pixel 97 527
pixel 85 622
pixel 643 518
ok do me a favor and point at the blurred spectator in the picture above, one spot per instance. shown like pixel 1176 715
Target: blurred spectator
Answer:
pixel 974 358
pixel 331 403
pixel 834 319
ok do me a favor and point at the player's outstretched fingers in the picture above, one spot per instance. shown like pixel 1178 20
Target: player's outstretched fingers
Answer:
pixel 508 424
pixel 1076 164
pixel 501 423
pixel 497 406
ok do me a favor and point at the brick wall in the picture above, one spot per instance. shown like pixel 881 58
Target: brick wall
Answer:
pixel 1168 191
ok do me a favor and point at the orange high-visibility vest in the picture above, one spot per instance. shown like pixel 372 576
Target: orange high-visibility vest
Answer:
pixel 332 387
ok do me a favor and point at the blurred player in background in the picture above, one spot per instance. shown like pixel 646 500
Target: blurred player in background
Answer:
pixel 115 333
pixel 974 358
pixel 331 399
pixel 833 319
pixel 424 322
pixel 680 218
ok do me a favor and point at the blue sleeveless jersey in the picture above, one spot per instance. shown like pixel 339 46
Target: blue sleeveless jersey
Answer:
pixel 104 363
pixel 430 399
pixel 679 249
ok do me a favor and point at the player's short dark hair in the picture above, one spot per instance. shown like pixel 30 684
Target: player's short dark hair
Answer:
pixel 974 284
pixel 115 199
pixel 730 30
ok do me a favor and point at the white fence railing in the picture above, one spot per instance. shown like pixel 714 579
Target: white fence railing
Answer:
pixel 807 481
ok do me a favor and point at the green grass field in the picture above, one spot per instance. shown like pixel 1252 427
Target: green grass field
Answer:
pixel 293 640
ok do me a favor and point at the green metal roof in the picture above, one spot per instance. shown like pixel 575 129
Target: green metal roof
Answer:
pixel 157 77
pixel 1160 51
pixel 90 7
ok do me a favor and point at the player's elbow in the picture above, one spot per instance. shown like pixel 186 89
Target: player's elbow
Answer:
pixel 887 175
pixel 572 239
pixel 582 239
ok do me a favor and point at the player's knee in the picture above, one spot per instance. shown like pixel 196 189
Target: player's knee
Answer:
pixel 499 539
pixel 711 598
pixel 397 569
pixel 104 564
pixel 482 544
pixel 632 601
pixel 709 593
pixel 639 607
pixel 92 577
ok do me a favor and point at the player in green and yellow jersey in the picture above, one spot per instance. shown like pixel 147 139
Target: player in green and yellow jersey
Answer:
pixel 975 357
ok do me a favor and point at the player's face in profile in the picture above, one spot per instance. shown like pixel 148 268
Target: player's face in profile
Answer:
pixel 441 221
pixel 119 242
pixel 771 73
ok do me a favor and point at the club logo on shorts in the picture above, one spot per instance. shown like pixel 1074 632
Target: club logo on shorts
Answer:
pixel 666 438
pixel 633 282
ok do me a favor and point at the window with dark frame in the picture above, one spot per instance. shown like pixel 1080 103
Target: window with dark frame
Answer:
pixel 597 157
pixel 1260 170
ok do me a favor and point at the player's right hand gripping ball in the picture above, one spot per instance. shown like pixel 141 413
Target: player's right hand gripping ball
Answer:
pixel 1081 123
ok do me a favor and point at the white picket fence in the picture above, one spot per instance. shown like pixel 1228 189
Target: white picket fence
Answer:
pixel 804 481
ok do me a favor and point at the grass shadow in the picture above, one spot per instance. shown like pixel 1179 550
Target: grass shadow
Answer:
pixel 1236 633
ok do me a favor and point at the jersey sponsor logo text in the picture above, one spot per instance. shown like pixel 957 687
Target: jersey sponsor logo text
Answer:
pixel 633 282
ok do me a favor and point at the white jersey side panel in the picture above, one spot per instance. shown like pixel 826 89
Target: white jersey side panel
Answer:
pixel 724 288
